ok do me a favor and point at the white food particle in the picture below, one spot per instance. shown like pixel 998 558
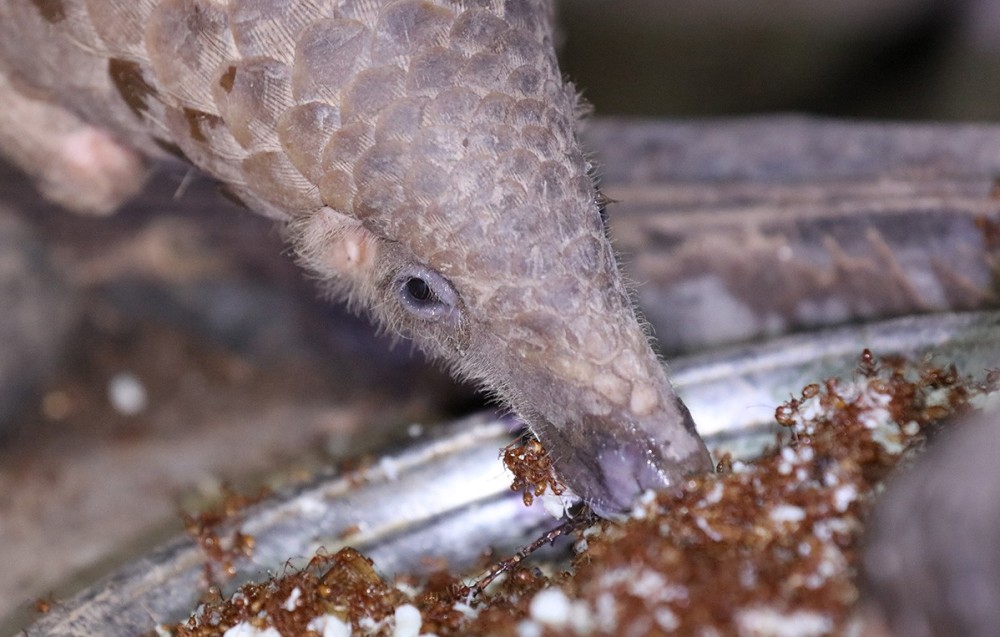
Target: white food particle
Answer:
pixel 293 599
pixel 890 440
pixel 769 622
pixel 788 458
pixel 825 530
pixel 712 497
pixel 329 626
pixel 311 505
pixel 528 628
pixel 408 621
pixel 874 418
pixel 580 618
pixel 389 468
pixel 647 584
pixel 556 505
pixel 415 430
pixel 550 606
pixel 830 479
pixel 613 577
pixel 832 563
pixel 553 505
pixel 607 612
pixel 843 496
pixel 243 629
pixel 468 611
pixel 787 513
pixel 986 402
pixel 127 394
pixel 810 409
pixel 593 531
pixel 644 505
pixel 712 534
pixel 406 588
pixel 666 618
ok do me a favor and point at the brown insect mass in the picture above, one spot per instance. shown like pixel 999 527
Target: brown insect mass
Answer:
pixel 776 540
pixel 532 469
pixel 222 553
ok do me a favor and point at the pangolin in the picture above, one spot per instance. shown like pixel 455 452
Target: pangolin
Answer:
pixel 423 156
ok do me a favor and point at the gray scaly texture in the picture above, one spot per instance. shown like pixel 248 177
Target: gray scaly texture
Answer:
pixel 423 155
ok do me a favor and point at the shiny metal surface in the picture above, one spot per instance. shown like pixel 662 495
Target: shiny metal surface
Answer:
pixel 734 392
pixel 448 496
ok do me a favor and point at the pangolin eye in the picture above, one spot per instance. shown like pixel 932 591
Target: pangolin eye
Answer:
pixel 426 294
pixel 419 291
pixel 602 202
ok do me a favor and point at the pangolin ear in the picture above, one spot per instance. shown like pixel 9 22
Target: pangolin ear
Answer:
pixel 335 246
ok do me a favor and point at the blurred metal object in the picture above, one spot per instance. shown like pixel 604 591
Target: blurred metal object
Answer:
pixel 754 227
pixel 448 497
pixel 735 389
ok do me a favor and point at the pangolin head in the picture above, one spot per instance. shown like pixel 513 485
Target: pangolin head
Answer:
pixel 459 210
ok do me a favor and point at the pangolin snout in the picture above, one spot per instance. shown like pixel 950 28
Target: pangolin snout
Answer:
pixel 611 460
pixel 608 416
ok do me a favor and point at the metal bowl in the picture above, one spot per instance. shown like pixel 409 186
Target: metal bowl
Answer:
pixel 448 496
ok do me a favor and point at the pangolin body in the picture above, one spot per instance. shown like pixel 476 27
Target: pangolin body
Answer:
pixel 423 155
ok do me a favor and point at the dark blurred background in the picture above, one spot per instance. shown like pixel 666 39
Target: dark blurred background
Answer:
pixel 898 59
